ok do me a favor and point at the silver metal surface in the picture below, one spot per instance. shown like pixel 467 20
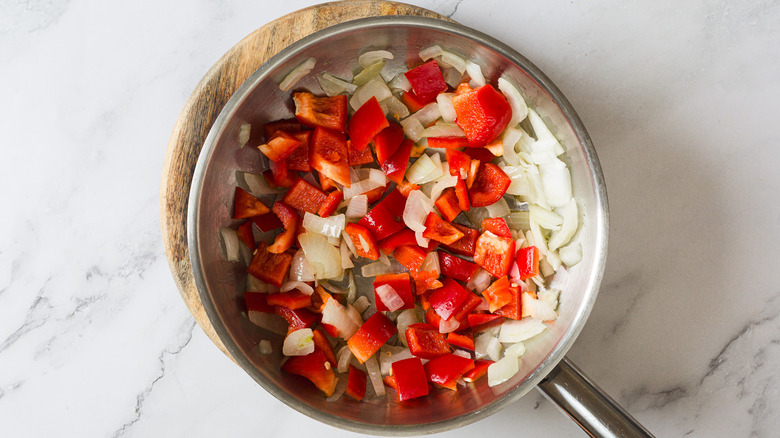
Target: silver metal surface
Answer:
pixel 220 284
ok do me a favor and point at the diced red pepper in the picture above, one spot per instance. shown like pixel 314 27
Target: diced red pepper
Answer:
pixel 371 336
pixel 496 147
pixel 299 158
pixel 527 260
pixel 446 370
pixel 448 204
pixel 321 343
pixel 331 203
pixel 290 219
pixel 286 125
pixel 395 166
pixel 480 154
pixel 456 267
pixel 402 285
pixel 365 245
pixel 405 187
pixel 471 302
pixel 401 238
pixel 483 114
pixel 427 81
pixel 267 222
pixel 357 158
pixel 315 367
pixel 256 302
pixel 269 267
pixel 463 88
pixel 245 235
pixel 513 309
pixel 280 146
pixel 297 318
pixel 480 370
pixel 432 317
pixel 426 280
pixel 410 379
pixel 449 298
pixel 462 339
pixel 305 197
pixel 459 163
pixel 292 300
pixel 412 102
pixel 462 193
pixel 246 205
pixel 472 173
pixel 329 155
pixel 425 341
pixel 279 175
pixel 388 141
pixel 494 253
pixel 327 112
pixel 375 194
pixel 466 245
pixel 367 122
pixel 356 383
pixel 441 231
pixel 489 185
pixel 411 256
pixel 497 226
pixel 386 216
pixel 319 298
pixel 482 321
pixel 447 142
pixel 498 294
pixel 389 381
pixel 326 183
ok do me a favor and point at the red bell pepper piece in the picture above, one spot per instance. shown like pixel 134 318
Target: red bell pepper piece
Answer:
pixel 462 193
pixel 290 219
pixel 401 238
pixel 367 122
pixel 256 302
pixel 297 318
pixel 329 155
pixel 375 194
pixel 425 341
pixel 527 260
pixel 498 294
pixel 480 154
pixel 267 222
pixel 447 142
pixel 279 176
pixel 246 205
pixel 494 253
pixel 371 336
pixel 449 298
pixel 292 300
pixel 483 114
pixel 441 231
pixel 356 383
pixel 386 216
pixel 321 343
pixel 319 298
pixel 357 158
pixel 489 186
pixel 387 141
pixel 331 203
pixel 427 81
pixel 426 280
pixel 459 163
pixel 513 309
pixel 446 370
pixel 410 379
pixel 327 112
pixel 286 125
pixel 305 197
pixel 395 166
pixel 411 256
pixel 462 339
pixel 463 88
pixel 402 285
pixel 432 317
pixel 480 370
pixel 280 146
pixel 299 158
pixel 412 102
pixel 405 187
pixel 497 226
pixel 456 267
pixel 245 235
pixel 448 204
pixel 365 245
pixel 466 245
pixel 389 381
pixel 469 304
pixel 269 267
pixel 482 321
pixel 326 183
pixel 315 367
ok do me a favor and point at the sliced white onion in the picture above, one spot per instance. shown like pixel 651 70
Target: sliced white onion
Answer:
pixel 297 74
pixel 430 52
pixel 499 208
pixel 299 285
pixel 481 343
pixel 546 219
pixel 510 138
pixel 518 331
pixel 421 240
pixel 341 388
pixel 518 220
pixel 351 287
pixel 394 108
pixel 373 56
pixel 519 185
pixel 502 370
pixel 330 226
pixel 265 347
pixel 358 207
pixel 443 183
pixel 348 240
pixel 361 303
pixel 446 109
pixel 346 256
pixel 389 297
pixel 372 368
pixel 384 259
pixel 416 210
pixel 543 133
pixel 452 77
pixel 570 217
pixel 571 254
pixel 374 269
pixel 257 184
pixel 537 309
pixel 254 284
pixel 413 129
pixel 389 354
pixel 332 288
pixel 360 187
pixel 475 72
pixel 354 315
pixel 333 86
pixel 494 349
pixel 230 244
pixel 516 350
pixel 428 114
pixel 335 314
pixel 269 321
pixel 243 134
pixel 369 73
pixel 516 101
pixel 452 60
pixel 448 325
pixel 431 263
pixel 443 129
pixel 424 169
pixel 556 181
pixel 476 215
pixel 400 82
pixel 376 87
pixel 323 257
pixel 549 296
pixel 479 281
pixel 342 359
pixel 299 343
pixel 404 320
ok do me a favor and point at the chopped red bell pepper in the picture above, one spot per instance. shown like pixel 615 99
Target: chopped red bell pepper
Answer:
pixel 496 147
pixel 480 370
pixel 483 114
pixel 459 163
pixel 286 125
pixel 432 317
pixel 425 281
pixel 448 204
pixel 305 197
pixel 319 298
pixel 395 166
pixel 387 141
pixel 292 300
pixel 357 158
pixel 472 173
pixel 389 381
pixel 256 302
pixel 268 267
pixel 356 383
pixel 365 245
pixel 527 260
pixel 489 186
pixel 513 309
pixel 367 122
pixel 480 154
pixel 371 336
pixel 290 219
pixel 411 256
pixel 405 187
pixel 402 285
pixel 462 193
pixel 466 245
pixel 329 155
pixel 447 142
pixel 427 81
pixel 280 146
pixel 471 302
pixel 425 341
pixel 446 370
pixel 401 238
pixel 482 321
pixel 463 88
pixel 375 194
pixel 326 183
pixel 279 175
pixel 245 235
pixel 316 368
pixel 327 112
pixel 448 299
pixel 498 294
pixel 267 222
pixel 297 318
pixel 410 379
pixel 331 203
pixel 496 225
pixel 246 205
pixel 386 216
pixel 321 343
pixel 494 253
pixel 299 158
pixel 456 267
pixel 464 339
pixel 412 102
pixel 441 231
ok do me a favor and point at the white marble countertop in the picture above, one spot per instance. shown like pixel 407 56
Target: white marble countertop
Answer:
pixel 682 102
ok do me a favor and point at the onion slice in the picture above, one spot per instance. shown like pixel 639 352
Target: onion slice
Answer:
pixel 299 285
pixel 299 343
pixel 297 74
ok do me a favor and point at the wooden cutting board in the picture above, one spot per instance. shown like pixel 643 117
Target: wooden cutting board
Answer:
pixel 205 104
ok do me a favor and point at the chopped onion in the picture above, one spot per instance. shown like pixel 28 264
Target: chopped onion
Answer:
pixel 519 185
pixel 475 72
pixel 374 56
pixel 297 73
pixel 421 240
pixel 400 82
pixel 372 368
pixel 394 108
pixel 257 184
pixel 516 101
pixel 253 284
pixel 431 263
pixel 479 281
pixel 549 296
pixel 377 177
pixel 517 331
pixel 453 60
pixel 430 52
pixel 330 226
pixel 374 269
pixel 443 129
pixel 346 259
pixel 537 309
pixel 230 245
pixel 389 297
pixel 412 128
pixel 332 288
pixel 369 73
pixel 299 343
pixel 452 77
pixel 323 257
pixel 476 215
pixel 358 207
pixel 243 134
pixel 376 87
pixel 428 114
pixel 462 353
pixel 342 359
pixel 360 187
pixel 336 315
pixel 556 181
pixel 568 228
pixel 354 315
pixel 510 138
pixel 405 319
pixel 499 208
pixel 546 219
pixel 299 285
pixel 389 354
pixel 481 342
pixel 265 347
pixel 416 210
pixel 516 350
pixel 351 287
pixel 361 304
pixel 341 388
pixel 269 321
pixel 448 325
pixel 443 183
pixel 446 109
pixel 571 254
pixel 502 370
pixel 333 86
pixel 543 134
pixel 348 240
pixel 494 349
pixel 423 170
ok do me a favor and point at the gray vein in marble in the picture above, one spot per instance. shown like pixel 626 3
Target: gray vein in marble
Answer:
pixel 37 315
pixel 455 9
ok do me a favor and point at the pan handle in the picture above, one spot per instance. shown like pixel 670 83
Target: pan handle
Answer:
pixel 585 403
